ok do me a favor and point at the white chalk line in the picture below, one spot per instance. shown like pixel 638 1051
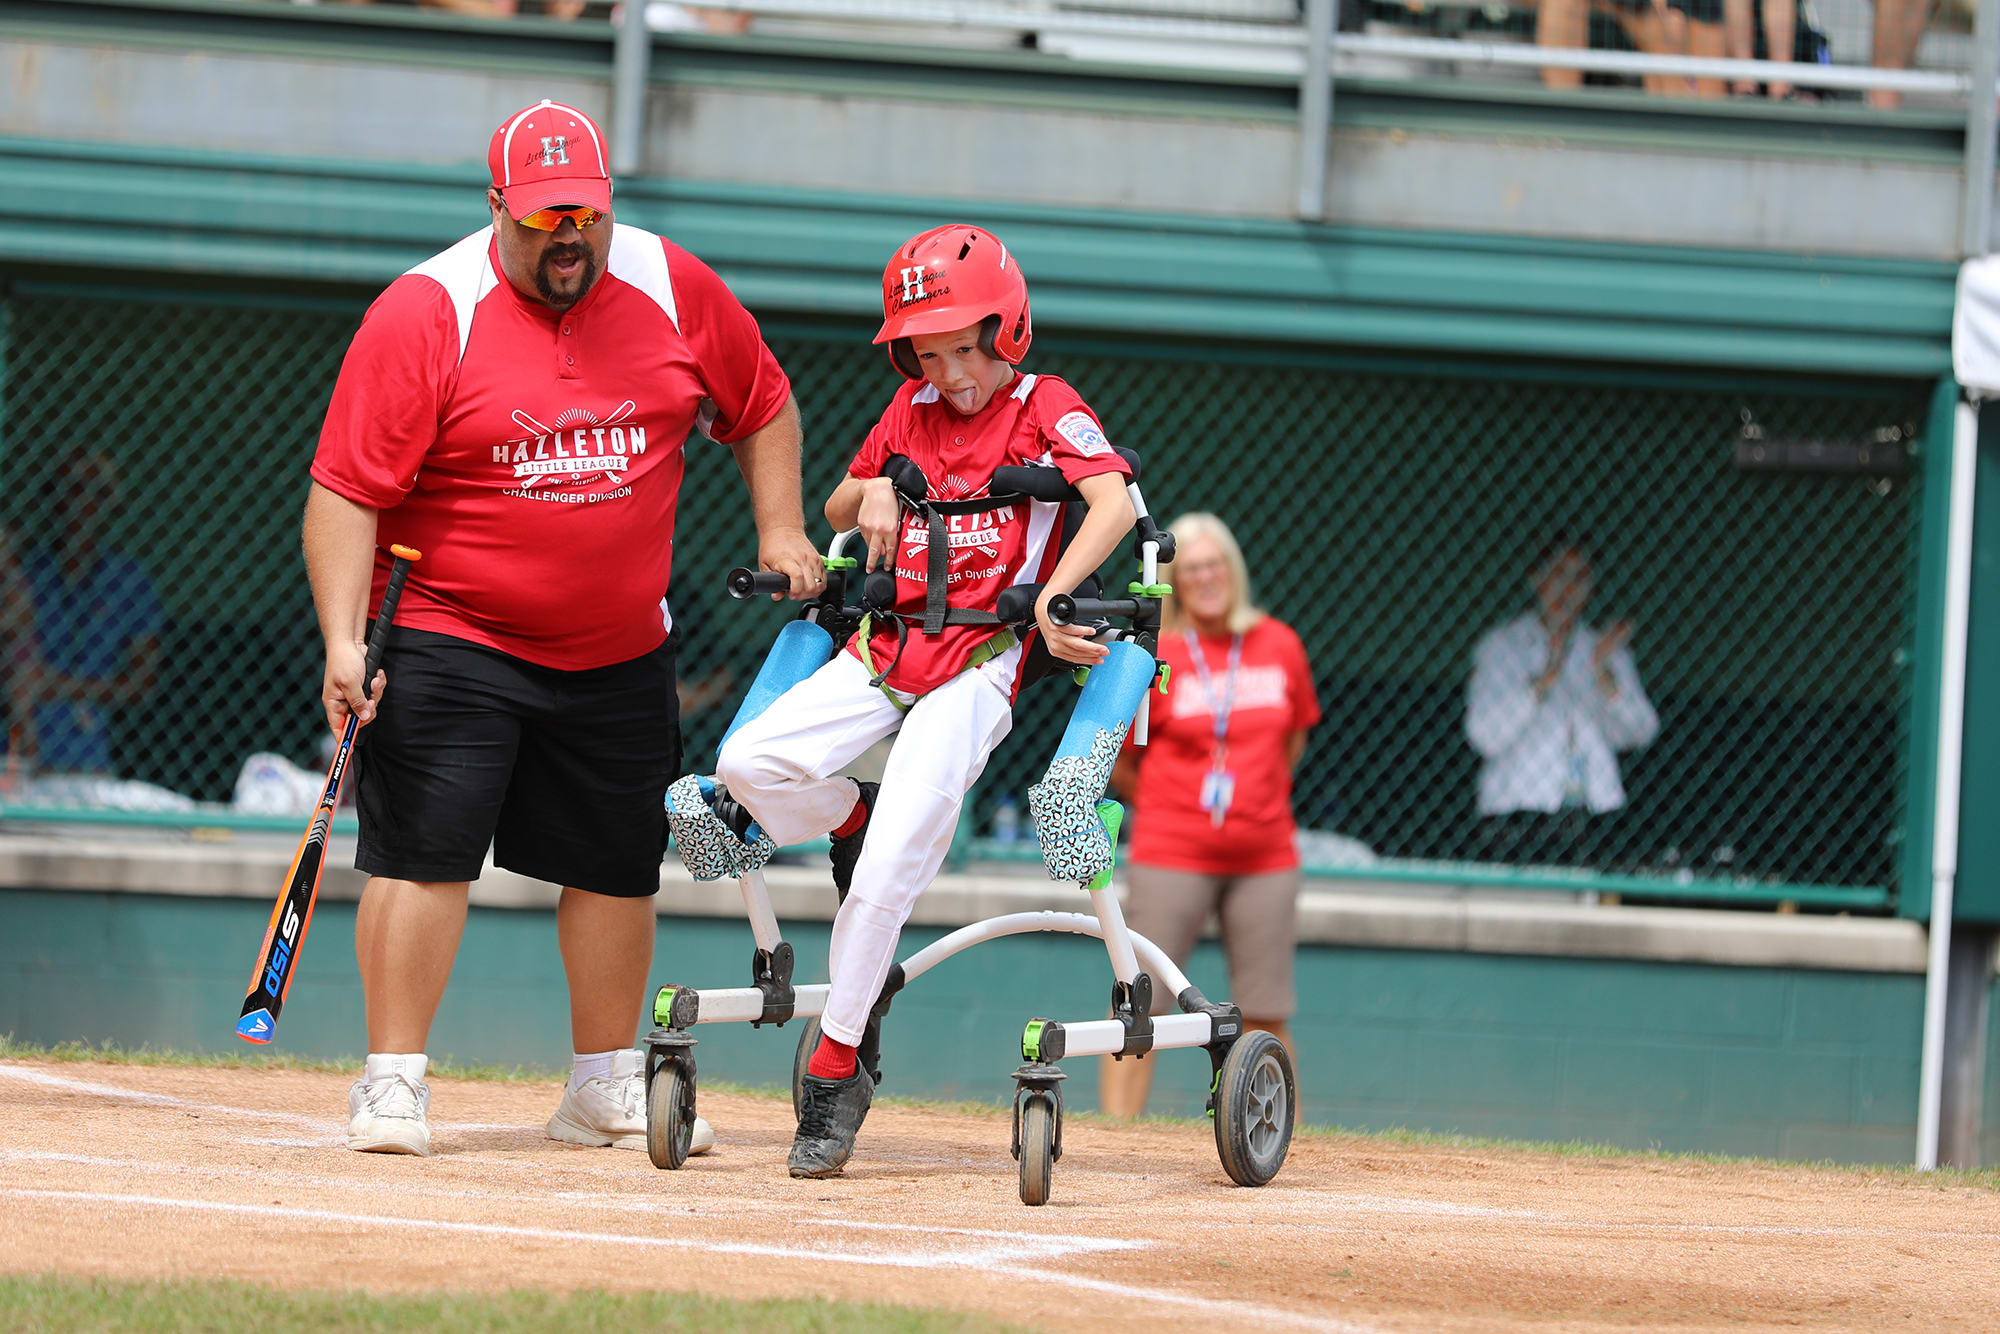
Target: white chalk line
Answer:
pixel 1008 1262
pixel 1241 1312
pixel 1328 1206
pixel 335 1128
pixel 705 1211
pixel 164 1100
pixel 707 1245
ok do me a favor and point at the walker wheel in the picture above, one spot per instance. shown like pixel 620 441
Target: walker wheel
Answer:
pixel 1254 1097
pixel 670 1113
pixel 1038 1147
pixel 808 1044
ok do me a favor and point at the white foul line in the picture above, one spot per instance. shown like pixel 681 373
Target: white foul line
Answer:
pixel 708 1245
pixel 47 1080
pixel 991 1262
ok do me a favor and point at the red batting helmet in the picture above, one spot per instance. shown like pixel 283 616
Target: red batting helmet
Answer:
pixel 951 278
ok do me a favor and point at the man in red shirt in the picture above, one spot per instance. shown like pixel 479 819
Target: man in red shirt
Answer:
pixel 515 408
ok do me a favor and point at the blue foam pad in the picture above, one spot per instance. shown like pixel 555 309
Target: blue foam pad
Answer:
pixel 802 649
pixel 1110 698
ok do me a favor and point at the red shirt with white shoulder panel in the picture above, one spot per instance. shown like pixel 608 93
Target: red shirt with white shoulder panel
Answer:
pixel 1037 419
pixel 1275 699
pixel 534 456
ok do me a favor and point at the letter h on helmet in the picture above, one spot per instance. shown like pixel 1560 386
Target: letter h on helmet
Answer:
pixel 954 277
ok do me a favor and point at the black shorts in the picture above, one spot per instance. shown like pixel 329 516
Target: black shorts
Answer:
pixel 563 774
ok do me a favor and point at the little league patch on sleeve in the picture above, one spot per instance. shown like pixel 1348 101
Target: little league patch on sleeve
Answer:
pixel 1082 432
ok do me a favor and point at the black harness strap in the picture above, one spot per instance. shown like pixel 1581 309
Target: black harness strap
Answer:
pixel 938 613
pixel 938 574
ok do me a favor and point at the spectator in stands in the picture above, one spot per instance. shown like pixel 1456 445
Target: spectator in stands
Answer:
pixel 1899 29
pixel 97 625
pixel 1553 700
pixel 1654 27
pixel 499 9
pixel 1212 826
pixel 680 18
pixel 1779 21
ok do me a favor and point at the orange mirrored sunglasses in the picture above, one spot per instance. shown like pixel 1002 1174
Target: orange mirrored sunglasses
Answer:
pixel 548 219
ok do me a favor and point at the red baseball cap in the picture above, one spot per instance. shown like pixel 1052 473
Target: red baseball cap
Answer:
pixel 549 154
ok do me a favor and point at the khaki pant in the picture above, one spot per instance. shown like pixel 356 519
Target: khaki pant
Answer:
pixel 1259 916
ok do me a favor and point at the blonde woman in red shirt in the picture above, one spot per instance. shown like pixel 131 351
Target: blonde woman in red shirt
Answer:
pixel 1211 792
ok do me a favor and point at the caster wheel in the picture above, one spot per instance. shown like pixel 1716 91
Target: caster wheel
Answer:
pixel 1038 1147
pixel 1254 1097
pixel 670 1114
pixel 808 1044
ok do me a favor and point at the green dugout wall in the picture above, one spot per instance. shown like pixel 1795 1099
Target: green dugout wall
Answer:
pixel 1770 1061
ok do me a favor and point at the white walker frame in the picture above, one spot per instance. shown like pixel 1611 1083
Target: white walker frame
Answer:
pixel 1252 1093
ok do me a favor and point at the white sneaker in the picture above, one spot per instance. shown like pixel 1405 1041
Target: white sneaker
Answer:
pixel 611 1110
pixel 387 1115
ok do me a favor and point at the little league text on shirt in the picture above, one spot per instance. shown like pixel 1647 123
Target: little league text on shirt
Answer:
pixel 965 530
pixel 582 443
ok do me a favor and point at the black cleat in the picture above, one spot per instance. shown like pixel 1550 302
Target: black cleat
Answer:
pixel 829 1119
pixel 732 814
pixel 844 852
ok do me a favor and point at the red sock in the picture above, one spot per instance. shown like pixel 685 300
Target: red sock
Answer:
pixel 831 1060
pixel 855 819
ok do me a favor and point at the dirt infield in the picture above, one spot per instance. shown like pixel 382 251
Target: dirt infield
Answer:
pixel 141 1172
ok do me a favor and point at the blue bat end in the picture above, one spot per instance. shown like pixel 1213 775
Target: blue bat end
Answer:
pixel 256 1026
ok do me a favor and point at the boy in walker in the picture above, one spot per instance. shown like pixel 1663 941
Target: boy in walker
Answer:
pixel 956 322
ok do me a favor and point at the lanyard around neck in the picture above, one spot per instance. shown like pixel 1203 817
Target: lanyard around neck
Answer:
pixel 1221 708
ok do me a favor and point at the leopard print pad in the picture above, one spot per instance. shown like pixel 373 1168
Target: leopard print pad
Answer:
pixel 1075 846
pixel 710 848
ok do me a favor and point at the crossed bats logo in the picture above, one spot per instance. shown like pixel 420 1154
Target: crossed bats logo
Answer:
pixel 571 418
pixel 916 534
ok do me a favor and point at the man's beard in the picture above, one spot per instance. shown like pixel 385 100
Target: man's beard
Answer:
pixel 583 281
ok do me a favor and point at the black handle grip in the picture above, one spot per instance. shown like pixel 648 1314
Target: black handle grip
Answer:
pixel 749 583
pixel 378 638
pixel 1035 480
pixel 1066 610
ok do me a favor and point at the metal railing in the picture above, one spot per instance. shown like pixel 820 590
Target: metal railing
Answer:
pixel 1308 46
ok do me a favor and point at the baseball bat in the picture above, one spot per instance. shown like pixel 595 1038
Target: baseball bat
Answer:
pixel 292 916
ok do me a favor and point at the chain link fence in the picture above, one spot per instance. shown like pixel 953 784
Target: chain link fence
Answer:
pixel 155 455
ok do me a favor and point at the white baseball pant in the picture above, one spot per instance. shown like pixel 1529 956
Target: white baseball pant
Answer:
pixel 782 767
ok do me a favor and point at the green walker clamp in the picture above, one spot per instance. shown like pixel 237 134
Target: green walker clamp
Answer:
pixel 1111 815
pixel 843 563
pixel 1139 590
pixel 676 1008
pixel 1043 1042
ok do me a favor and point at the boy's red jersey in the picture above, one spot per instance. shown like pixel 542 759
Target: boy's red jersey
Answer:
pixel 1040 419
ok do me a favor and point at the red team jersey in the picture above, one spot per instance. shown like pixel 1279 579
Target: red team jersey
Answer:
pixel 1039 419
pixel 534 455
pixel 1275 698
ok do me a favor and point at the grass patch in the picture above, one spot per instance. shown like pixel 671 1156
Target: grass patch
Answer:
pixel 1983 1178
pixel 52 1304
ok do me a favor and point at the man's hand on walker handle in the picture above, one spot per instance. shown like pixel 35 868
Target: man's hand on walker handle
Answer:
pixel 1070 643
pixel 790 553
